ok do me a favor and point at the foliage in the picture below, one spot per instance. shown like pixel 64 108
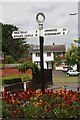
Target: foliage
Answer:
pixel 0 36
pixel 28 65
pixel 26 77
pixel 2 65
pixel 9 59
pixel 57 59
pixel 79 51
pixel 72 55
pixel 11 79
pixel 13 47
pixel 34 104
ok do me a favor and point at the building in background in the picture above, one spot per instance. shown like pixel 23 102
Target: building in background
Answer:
pixel 49 53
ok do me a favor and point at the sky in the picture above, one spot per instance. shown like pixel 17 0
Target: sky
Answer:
pixel 23 15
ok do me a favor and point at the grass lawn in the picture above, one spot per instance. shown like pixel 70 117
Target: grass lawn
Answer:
pixel 66 79
pixel 62 77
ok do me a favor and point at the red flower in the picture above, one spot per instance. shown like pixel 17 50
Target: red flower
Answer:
pixel 71 107
pixel 60 105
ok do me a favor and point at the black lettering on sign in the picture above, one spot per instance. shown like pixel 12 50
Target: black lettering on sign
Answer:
pixel 50 30
pixel 29 35
pixel 52 33
pixel 35 34
pixel 64 29
pixel 23 32
pixel 16 32
pixel 59 33
pixel 63 33
pixel 18 35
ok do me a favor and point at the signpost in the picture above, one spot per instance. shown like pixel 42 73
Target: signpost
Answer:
pixel 55 31
pixel 24 34
pixel 40 17
pixel 41 33
pixel 35 33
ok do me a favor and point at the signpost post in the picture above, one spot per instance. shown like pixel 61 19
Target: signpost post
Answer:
pixel 40 17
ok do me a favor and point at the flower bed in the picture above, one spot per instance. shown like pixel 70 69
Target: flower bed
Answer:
pixel 34 104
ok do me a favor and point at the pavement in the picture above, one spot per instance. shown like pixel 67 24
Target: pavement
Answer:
pixel 68 86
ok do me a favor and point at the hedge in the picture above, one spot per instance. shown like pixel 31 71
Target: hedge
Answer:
pixel 11 80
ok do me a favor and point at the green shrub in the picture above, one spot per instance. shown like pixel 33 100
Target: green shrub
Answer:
pixel 9 59
pixel 2 65
pixel 11 80
pixel 26 77
pixel 28 65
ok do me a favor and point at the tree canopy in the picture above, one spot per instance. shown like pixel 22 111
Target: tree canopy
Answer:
pixel 57 59
pixel 10 46
pixel 72 55
pixel 79 51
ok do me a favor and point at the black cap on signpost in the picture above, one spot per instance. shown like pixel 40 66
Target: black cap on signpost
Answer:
pixel 40 17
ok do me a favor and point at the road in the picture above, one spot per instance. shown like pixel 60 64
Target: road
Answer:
pixel 62 85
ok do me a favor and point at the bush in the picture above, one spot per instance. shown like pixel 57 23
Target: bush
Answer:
pixel 26 77
pixel 28 65
pixel 9 59
pixel 11 80
pixel 2 65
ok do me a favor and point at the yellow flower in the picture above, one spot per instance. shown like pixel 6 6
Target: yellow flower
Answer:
pixel 66 93
pixel 62 86
pixel 36 104
pixel 18 102
pixel 63 92
pixel 39 92
pixel 35 98
pixel 31 99
pixel 40 101
pixel 45 109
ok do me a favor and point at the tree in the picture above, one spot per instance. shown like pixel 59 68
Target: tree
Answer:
pixel 57 59
pixel 78 55
pixel 9 59
pixel 79 50
pixel 72 55
pixel 10 46
pixel 0 36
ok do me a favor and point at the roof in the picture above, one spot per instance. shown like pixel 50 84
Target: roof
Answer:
pixel 50 48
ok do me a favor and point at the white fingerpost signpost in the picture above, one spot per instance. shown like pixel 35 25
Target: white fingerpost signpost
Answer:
pixel 41 33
